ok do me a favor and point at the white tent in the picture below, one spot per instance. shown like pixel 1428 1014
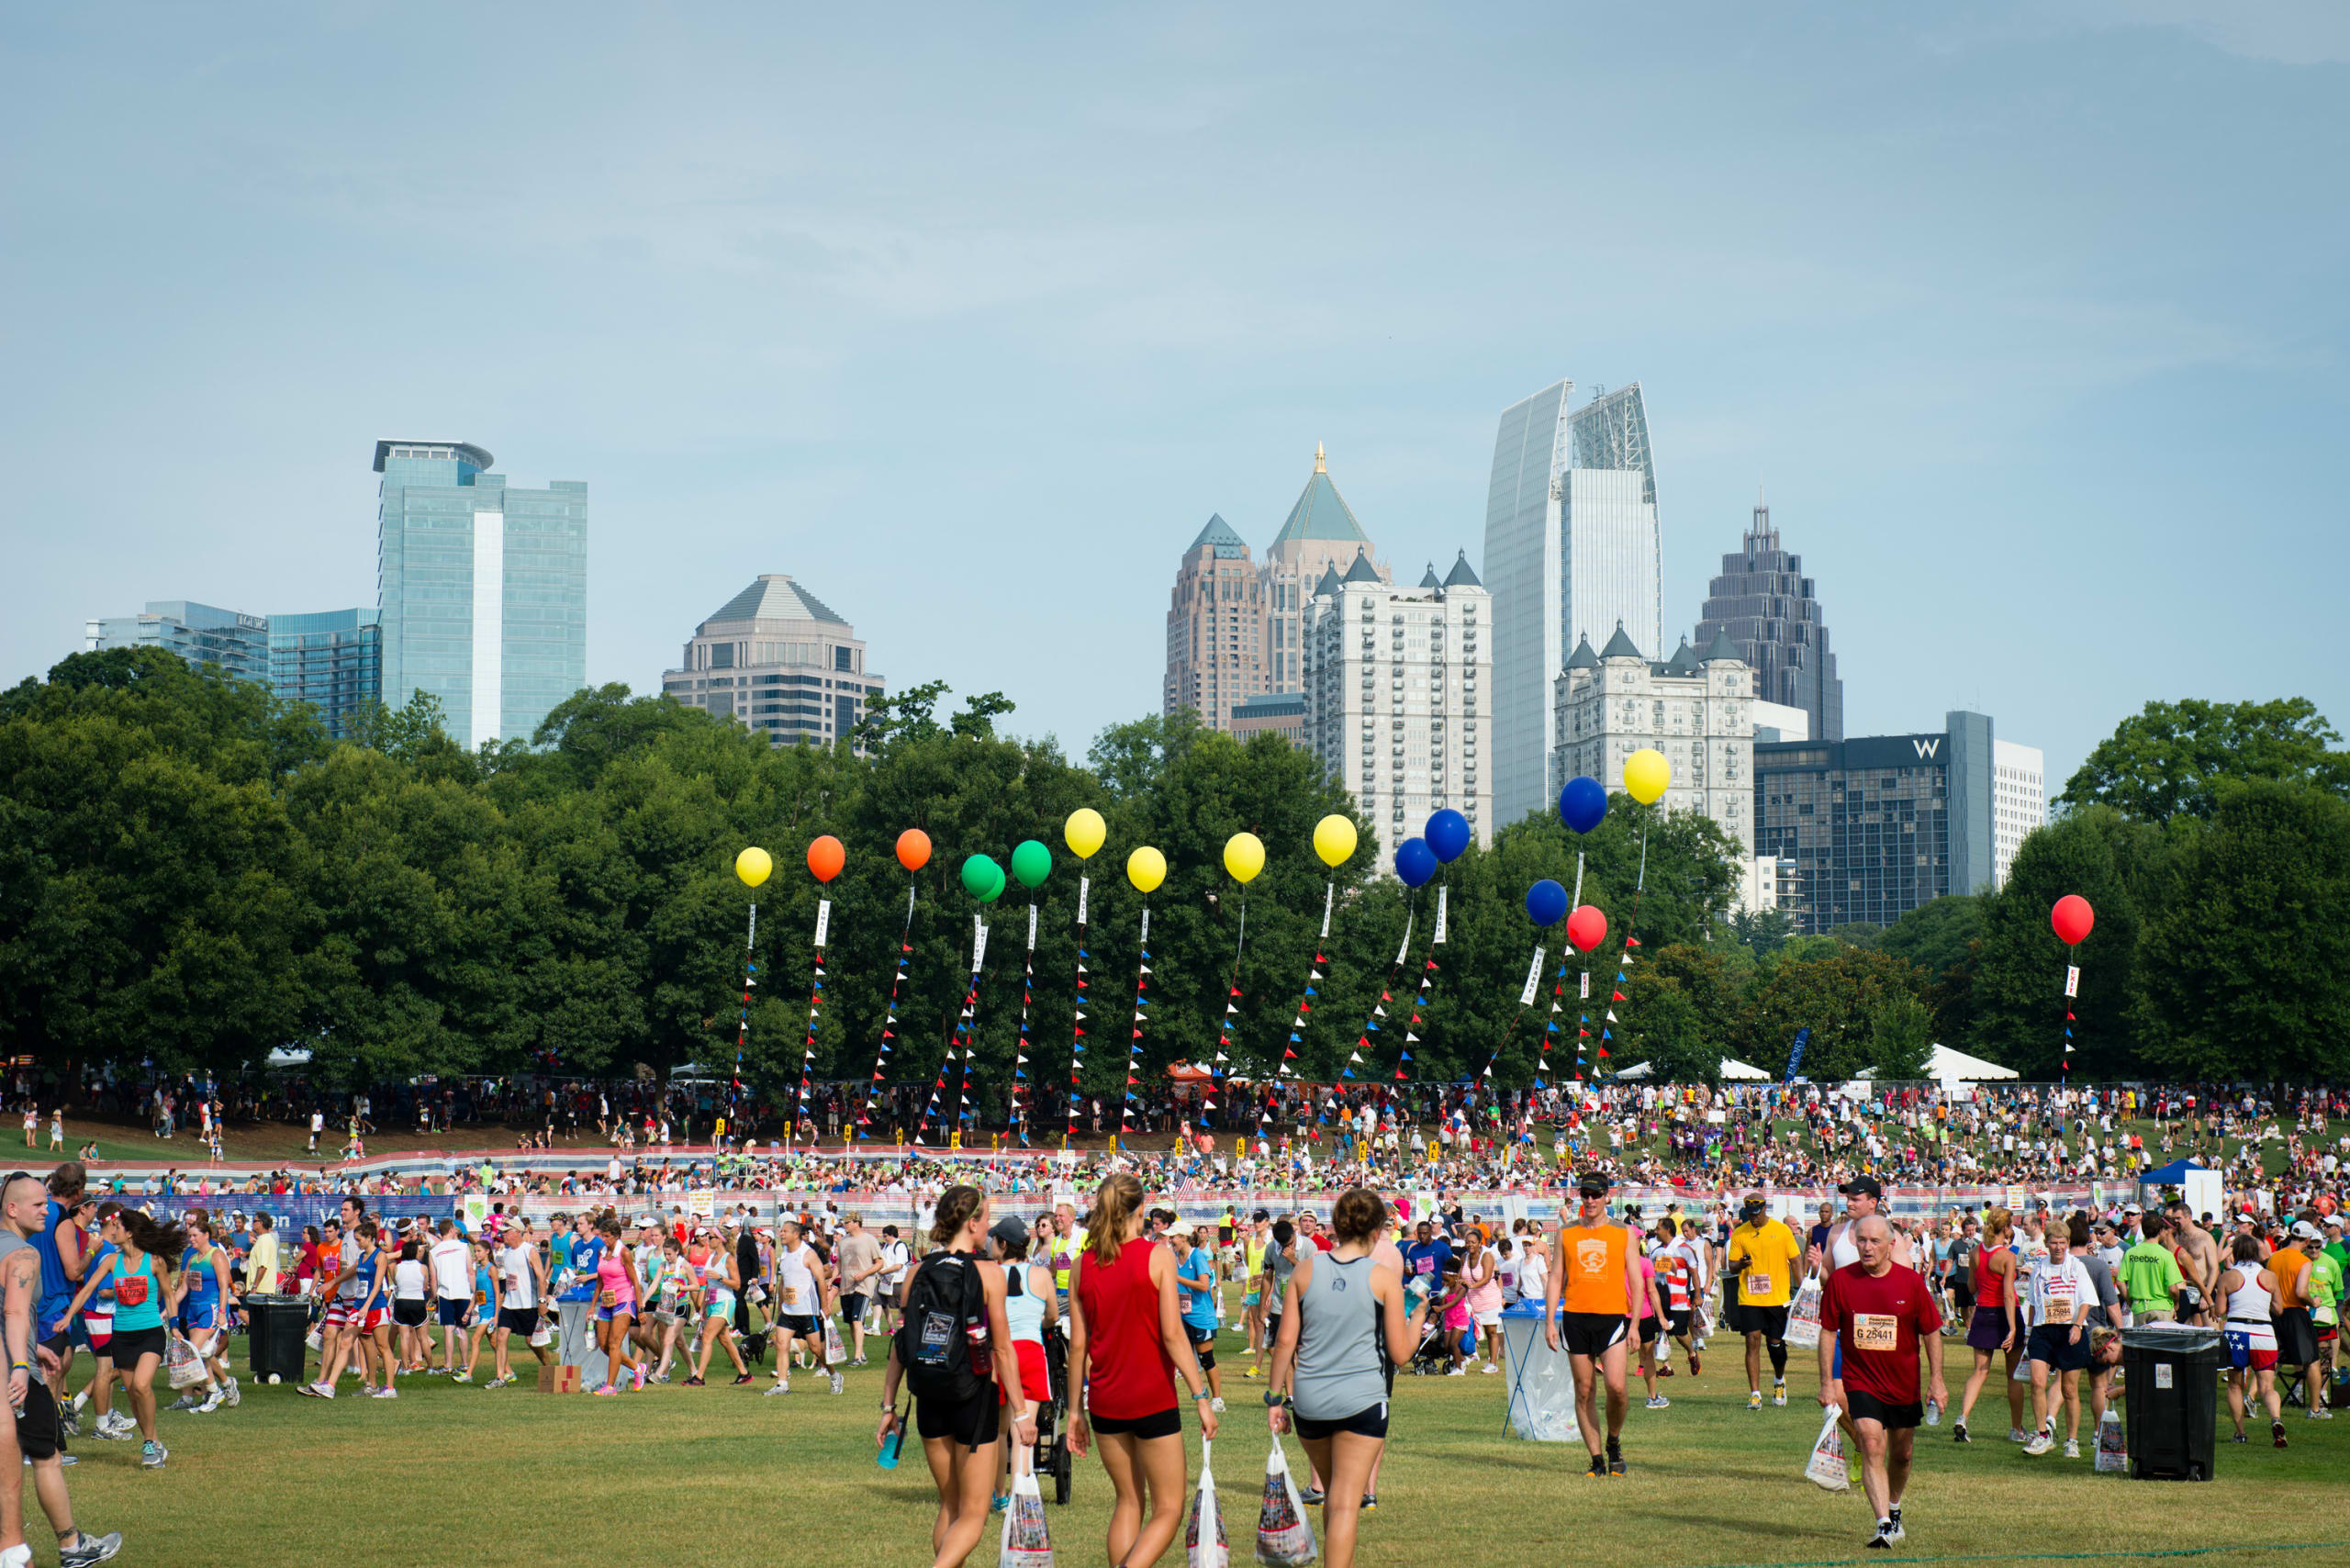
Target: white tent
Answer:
pixel 1950 1068
pixel 1732 1068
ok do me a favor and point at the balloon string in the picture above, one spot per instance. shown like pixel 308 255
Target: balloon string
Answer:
pixel 743 1029
pixel 890 1013
pixel 1134 1038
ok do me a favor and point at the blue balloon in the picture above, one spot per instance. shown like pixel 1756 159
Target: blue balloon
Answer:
pixel 1546 903
pixel 1415 862
pixel 1448 836
pixel 1581 803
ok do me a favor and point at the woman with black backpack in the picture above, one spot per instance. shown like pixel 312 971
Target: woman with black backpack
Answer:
pixel 954 1351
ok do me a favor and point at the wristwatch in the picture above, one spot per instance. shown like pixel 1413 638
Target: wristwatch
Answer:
pixel 1272 1399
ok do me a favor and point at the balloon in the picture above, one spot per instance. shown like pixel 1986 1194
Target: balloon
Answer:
pixel 913 849
pixel 825 857
pixel 1582 803
pixel 1244 856
pixel 1646 775
pixel 1084 831
pixel 982 877
pixel 1146 868
pixel 1032 863
pixel 1587 929
pixel 1546 902
pixel 1447 834
pixel 753 865
pixel 1415 862
pixel 2072 917
pixel 1334 840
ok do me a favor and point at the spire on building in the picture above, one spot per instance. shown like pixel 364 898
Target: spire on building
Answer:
pixel 1619 646
pixel 1461 575
pixel 1583 657
pixel 1361 571
pixel 1321 461
pixel 1329 583
pixel 1428 579
pixel 1683 662
pixel 1719 648
pixel 1230 545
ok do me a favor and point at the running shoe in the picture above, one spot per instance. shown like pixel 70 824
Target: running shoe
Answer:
pixel 63 1459
pixel 70 1422
pixel 1216 1405
pixel 2018 1435
pixel 1457 1372
pixel 1370 1502
pixel 2040 1444
pixel 232 1394
pixel 385 1394
pixel 1958 1433
pixel 1658 1402
pixel 2320 1413
pixel 2276 1433
pixel 859 1363
pixel 2238 1437
pixel 1898 1531
pixel 461 1377
pixel 1695 1365
pixel 1754 1399
pixel 998 1503
pixel 606 1390
pixel 1309 1496
pixel 2072 1448
pixel 211 1402
pixel 152 1454
pixel 1615 1458
pixel 783 1387
pixel 1664 1369
pixel 320 1390
pixel 640 1380
pixel 837 1382
pixel 89 1550
pixel 187 1401
pixel 1490 1370
pixel 1779 1392
pixel 1598 1471
pixel 497 1383
pixel 741 1379
pixel 696 1383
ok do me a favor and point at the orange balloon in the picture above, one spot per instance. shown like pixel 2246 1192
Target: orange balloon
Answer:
pixel 825 857
pixel 913 849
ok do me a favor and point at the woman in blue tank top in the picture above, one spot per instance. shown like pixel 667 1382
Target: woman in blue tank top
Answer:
pixel 202 1294
pixel 137 1282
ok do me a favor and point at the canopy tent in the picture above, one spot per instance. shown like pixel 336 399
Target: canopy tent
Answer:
pixel 1732 1070
pixel 1947 1067
pixel 2198 1184
pixel 2171 1175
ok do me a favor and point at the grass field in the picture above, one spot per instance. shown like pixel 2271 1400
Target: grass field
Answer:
pixel 685 1477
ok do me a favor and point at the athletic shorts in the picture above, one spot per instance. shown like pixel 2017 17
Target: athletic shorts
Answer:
pixel 1272 1329
pixel 2246 1356
pixel 1366 1423
pixel 408 1312
pixel 1770 1322
pixel 129 1344
pixel 1650 1328
pixel 1489 1319
pixel 1035 1378
pixel 38 1431
pixel 1987 1329
pixel 1677 1323
pixel 201 1319
pixel 624 1307
pixel 1590 1333
pixel 519 1320
pixel 377 1316
pixel 2053 1343
pixel 1167 1423
pixel 2296 1337
pixel 453 1313
pixel 1861 1406
pixel 973 1423
pixel 808 1327
pixel 853 1307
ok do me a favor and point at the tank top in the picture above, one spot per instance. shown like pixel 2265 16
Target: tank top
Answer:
pixel 1988 1282
pixel 612 1275
pixel 1339 1371
pixel 1129 1374
pixel 147 1312
pixel 2249 1303
pixel 1593 1259
pixel 56 1290
pixel 203 1284
pixel 1024 1310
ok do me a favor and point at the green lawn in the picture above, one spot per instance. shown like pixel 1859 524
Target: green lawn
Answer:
pixel 450 1475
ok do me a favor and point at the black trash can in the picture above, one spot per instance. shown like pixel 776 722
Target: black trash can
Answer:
pixel 2171 1400
pixel 277 1327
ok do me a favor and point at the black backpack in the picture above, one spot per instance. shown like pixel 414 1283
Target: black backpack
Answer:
pixel 936 1344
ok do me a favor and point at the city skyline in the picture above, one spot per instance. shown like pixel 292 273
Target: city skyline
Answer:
pixel 1944 285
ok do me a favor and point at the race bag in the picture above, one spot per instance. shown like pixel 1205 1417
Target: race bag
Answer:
pixel 835 1351
pixel 186 1368
pixel 1204 1542
pixel 1027 1542
pixel 2112 1445
pixel 1826 1467
pixel 935 1343
pixel 1803 1318
pixel 1284 1539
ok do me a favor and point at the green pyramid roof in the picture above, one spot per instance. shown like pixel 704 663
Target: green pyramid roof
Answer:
pixel 1361 571
pixel 1583 657
pixel 1328 583
pixel 1719 648
pixel 1229 546
pixel 776 597
pixel 1321 512
pixel 1619 646
pixel 1460 576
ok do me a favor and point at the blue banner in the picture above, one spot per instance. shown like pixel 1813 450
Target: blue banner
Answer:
pixel 1794 1057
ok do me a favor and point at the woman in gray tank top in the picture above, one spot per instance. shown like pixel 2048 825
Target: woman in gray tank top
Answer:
pixel 1344 1318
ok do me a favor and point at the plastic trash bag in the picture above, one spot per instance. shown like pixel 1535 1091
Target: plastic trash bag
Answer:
pixel 1204 1542
pixel 1284 1538
pixel 1803 1318
pixel 185 1367
pixel 1026 1541
pixel 1826 1468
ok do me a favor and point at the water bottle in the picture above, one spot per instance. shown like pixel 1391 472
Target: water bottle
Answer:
pixel 888 1458
pixel 1933 1412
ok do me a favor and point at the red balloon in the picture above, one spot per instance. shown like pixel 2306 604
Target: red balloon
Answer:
pixel 913 849
pixel 1587 929
pixel 825 857
pixel 2072 917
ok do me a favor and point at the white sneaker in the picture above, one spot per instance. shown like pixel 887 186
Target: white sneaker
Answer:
pixel 1658 1402
pixel 209 1403
pixel 1216 1405
pixel 1457 1372
pixel 2018 1435
pixel 2040 1444
pixel 783 1387
pixel 1779 1393
pixel 836 1383
pixel 234 1396
pixel 385 1394
pixel 324 1390
pixel 1491 1370
pixel 2072 1448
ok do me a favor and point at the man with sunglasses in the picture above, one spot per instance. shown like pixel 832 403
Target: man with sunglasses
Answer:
pixel 33 1438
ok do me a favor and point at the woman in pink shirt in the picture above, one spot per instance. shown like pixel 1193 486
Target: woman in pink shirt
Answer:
pixel 1481 1275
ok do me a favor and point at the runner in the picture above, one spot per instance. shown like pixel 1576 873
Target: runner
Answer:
pixel 1195 1281
pixel 861 1271
pixel 411 1283
pixel 2248 1296
pixel 1331 1364
pixel 1031 1305
pixel 803 1283
pixel 1996 1327
pixel 1126 1349
pixel 1763 1257
pixel 2060 1299
pixel 1597 1285
pixel 138 1342
pixel 718 1283
pixel 1880 1312
pixel 616 1289
pixel 451 1261
pixel 522 1301
pixel 200 1303
pixel 26 1213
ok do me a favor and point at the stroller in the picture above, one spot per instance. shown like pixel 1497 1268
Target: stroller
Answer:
pixel 1434 1353
pixel 1051 1457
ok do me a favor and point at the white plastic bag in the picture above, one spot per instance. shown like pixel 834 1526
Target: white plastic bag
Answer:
pixel 1826 1467
pixel 1204 1542
pixel 185 1367
pixel 2112 1444
pixel 835 1351
pixel 1284 1537
pixel 1026 1541
pixel 1803 1318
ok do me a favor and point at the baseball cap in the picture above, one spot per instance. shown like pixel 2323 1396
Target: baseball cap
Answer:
pixel 1592 1184
pixel 1010 1230
pixel 1864 1186
pixel 2303 1230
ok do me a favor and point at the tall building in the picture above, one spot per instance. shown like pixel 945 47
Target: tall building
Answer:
pixel 1767 607
pixel 333 660
pixel 483 588
pixel 1234 623
pixel 1393 679
pixel 1572 550
pixel 1867 829
pixel 2018 803
pixel 1694 708
pixel 200 633
pixel 777 658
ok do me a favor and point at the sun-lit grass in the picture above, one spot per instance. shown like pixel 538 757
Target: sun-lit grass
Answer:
pixel 453 1475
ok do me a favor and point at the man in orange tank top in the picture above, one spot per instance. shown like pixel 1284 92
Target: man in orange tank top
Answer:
pixel 1595 1278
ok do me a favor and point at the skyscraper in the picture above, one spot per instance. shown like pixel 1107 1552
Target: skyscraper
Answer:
pixel 1572 550
pixel 483 588
pixel 778 659
pixel 200 633
pixel 1764 604
pixel 333 660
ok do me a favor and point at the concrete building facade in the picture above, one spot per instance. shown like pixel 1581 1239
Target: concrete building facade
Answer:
pixel 2018 803
pixel 777 658
pixel 1694 708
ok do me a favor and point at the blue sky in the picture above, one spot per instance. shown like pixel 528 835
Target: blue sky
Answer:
pixel 2029 317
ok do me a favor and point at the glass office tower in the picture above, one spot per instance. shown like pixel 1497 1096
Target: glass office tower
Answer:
pixel 200 633
pixel 483 588
pixel 333 660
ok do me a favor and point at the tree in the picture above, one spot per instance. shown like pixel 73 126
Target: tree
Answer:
pixel 1901 1038
pixel 1673 1037
pixel 1835 995
pixel 2171 758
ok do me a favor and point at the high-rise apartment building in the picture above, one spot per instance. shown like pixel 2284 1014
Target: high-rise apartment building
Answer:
pixel 1235 625
pixel 1767 606
pixel 778 659
pixel 333 660
pixel 1694 708
pixel 1396 692
pixel 2018 803
pixel 1572 550
pixel 200 633
pixel 482 589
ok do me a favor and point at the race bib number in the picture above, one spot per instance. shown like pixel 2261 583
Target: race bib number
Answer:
pixel 1875 1331
pixel 1757 1284
pixel 2060 1306
pixel 791 1295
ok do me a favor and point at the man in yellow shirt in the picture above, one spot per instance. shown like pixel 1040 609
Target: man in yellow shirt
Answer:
pixel 261 1261
pixel 1762 1255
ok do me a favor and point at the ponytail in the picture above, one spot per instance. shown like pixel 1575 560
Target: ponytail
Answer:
pixel 1113 1205
pixel 151 1237
pixel 956 1207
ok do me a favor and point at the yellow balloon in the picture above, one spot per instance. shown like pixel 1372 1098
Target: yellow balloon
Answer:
pixel 1333 839
pixel 1146 868
pixel 753 865
pixel 1647 776
pixel 1244 856
pixel 1085 831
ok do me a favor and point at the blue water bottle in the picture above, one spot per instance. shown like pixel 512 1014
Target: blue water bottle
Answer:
pixel 888 1458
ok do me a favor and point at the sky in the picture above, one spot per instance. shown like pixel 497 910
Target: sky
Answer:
pixel 2030 319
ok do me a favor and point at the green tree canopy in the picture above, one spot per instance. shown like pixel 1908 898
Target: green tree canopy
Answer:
pixel 2171 758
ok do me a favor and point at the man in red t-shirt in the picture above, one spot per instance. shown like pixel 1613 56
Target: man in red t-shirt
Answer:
pixel 1879 1312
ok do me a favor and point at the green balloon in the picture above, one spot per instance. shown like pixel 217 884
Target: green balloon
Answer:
pixel 982 877
pixel 1032 863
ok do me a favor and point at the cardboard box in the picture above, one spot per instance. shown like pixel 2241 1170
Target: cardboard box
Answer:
pixel 558 1380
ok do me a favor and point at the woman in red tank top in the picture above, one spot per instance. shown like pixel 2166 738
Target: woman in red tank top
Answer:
pixel 1126 1349
pixel 1995 1326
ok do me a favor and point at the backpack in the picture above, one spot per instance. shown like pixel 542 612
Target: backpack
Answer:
pixel 935 1341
